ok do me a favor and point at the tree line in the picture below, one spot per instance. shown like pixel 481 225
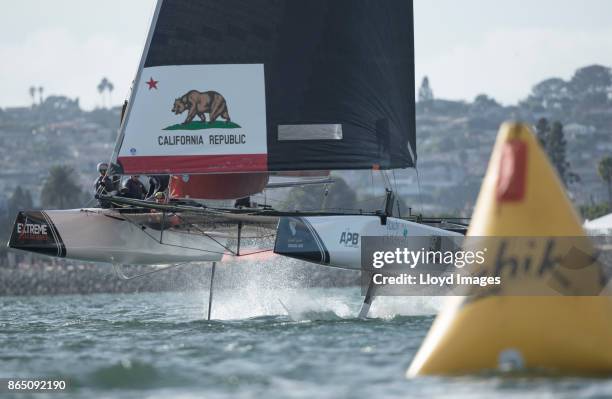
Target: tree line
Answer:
pixel 59 191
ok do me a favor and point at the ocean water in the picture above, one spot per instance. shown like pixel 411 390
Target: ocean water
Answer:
pixel 264 343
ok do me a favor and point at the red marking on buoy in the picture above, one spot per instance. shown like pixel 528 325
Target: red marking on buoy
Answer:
pixel 512 177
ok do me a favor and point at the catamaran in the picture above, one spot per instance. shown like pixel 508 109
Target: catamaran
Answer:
pixel 228 94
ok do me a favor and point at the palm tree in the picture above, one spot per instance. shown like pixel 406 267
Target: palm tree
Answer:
pixel 33 94
pixel 59 190
pixel 110 87
pixel 605 172
pixel 102 86
pixel 40 93
pixel 425 91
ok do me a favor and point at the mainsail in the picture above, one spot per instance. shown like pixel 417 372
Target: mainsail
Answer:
pixel 252 86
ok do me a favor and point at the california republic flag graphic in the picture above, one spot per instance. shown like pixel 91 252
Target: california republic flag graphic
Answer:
pixel 196 119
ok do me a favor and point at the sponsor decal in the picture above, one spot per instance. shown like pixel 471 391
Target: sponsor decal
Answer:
pixel 395 228
pixel 349 239
pixel 296 238
pixel 33 231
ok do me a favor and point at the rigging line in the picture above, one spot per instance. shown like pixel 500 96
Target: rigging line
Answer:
pixel 227 247
pixel 123 276
pixel 419 188
pixel 325 194
pixel 210 237
pixel 170 245
pixel 385 179
pixel 395 190
pixel 88 203
pixel 394 180
pixel 191 248
pixel 179 246
pixel 372 183
pixel 273 199
pixel 184 247
pixel 388 184
pixel 254 253
pixel 367 200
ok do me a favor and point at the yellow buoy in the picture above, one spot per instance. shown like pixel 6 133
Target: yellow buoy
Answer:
pixel 522 196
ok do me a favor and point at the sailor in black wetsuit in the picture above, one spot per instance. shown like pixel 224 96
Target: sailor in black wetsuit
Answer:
pixel 243 202
pixel 104 184
pixel 134 188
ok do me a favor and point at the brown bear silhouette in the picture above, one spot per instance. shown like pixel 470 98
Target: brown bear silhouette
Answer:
pixel 200 103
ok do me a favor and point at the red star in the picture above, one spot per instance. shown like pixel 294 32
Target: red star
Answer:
pixel 152 84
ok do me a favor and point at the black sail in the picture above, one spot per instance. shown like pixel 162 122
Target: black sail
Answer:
pixel 339 74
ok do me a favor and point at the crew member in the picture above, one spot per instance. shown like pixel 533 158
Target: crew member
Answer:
pixel 243 202
pixel 160 197
pixel 157 183
pixel 104 184
pixel 134 188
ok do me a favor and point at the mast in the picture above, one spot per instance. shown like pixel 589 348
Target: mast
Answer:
pixel 135 87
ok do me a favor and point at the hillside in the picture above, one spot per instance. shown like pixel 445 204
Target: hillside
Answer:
pixel 454 141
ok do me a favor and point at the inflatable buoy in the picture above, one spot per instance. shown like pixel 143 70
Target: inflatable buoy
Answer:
pixel 568 328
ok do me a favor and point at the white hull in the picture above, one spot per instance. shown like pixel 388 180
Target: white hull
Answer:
pixel 105 235
pixel 335 241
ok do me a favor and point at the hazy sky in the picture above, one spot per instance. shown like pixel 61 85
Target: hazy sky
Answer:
pixel 466 47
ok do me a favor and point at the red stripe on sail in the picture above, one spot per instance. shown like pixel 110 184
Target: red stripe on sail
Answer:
pixel 187 164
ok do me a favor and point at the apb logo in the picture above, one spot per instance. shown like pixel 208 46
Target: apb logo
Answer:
pixel 349 239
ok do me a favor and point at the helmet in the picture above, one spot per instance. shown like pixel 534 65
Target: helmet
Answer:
pixel 102 167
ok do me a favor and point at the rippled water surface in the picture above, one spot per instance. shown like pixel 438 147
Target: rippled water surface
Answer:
pixel 266 344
